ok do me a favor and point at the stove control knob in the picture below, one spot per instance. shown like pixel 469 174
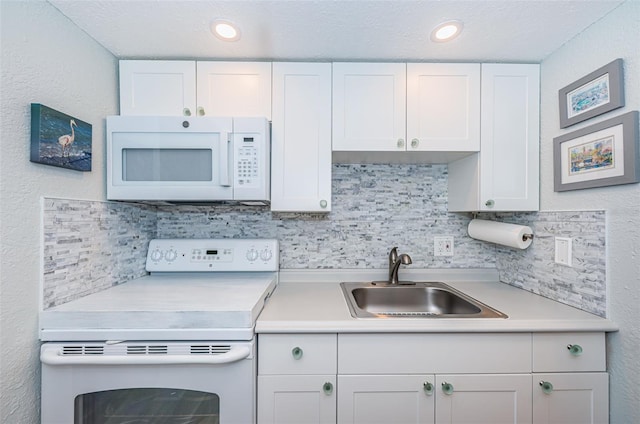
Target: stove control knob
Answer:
pixel 171 255
pixel 252 255
pixel 156 255
pixel 266 255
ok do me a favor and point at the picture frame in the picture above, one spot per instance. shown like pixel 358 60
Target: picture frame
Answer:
pixel 599 92
pixel 603 154
pixel 58 139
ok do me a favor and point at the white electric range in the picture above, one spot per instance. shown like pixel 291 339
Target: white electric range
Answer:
pixel 177 344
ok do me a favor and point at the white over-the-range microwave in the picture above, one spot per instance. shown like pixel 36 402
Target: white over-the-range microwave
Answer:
pixel 190 160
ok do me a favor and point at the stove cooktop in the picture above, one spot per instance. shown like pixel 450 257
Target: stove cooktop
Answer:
pixel 177 305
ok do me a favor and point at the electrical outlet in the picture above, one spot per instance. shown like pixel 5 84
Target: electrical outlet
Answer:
pixel 563 251
pixel 443 246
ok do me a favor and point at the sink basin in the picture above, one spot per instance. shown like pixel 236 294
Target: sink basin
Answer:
pixel 413 300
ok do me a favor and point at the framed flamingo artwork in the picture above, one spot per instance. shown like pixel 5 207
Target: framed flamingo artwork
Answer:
pixel 59 140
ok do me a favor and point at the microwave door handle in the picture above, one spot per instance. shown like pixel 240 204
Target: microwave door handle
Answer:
pixel 225 181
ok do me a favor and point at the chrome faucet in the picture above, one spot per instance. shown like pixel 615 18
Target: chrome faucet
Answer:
pixel 394 264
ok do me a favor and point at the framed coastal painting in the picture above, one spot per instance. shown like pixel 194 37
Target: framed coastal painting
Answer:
pixel 603 154
pixel 60 140
pixel 592 95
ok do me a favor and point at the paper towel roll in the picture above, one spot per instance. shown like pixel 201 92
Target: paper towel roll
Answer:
pixel 511 235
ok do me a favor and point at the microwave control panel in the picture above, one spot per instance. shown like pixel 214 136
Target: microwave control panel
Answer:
pixel 247 154
pixel 251 159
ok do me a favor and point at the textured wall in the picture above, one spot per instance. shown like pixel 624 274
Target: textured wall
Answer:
pixel 615 36
pixel 45 59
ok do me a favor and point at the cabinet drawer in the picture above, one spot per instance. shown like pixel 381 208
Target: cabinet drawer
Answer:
pixel 297 354
pixel 434 353
pixel 558 352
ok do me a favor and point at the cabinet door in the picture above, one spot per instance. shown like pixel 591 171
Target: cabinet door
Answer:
pixel 296 399
pixel 369 106
pixel 234 89
pixel 157 87
pixel 443 107
pixel 384 399
pixel 301 137
pixel 483 399
pixel 504 175
pixel 577 398
pixel 510 137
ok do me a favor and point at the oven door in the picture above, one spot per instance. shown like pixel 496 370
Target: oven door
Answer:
pixel 148 382
pixel 169 158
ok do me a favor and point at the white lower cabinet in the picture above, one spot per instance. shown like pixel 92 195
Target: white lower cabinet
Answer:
pixel 383 399
pixel 463 378
pixel 296 399
pixel 483 398
pixel 571 398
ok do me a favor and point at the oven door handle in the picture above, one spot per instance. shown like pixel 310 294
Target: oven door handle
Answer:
pixel 54 356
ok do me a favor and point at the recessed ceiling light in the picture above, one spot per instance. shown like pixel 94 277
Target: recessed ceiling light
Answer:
pixel 225 30
pixel 446 31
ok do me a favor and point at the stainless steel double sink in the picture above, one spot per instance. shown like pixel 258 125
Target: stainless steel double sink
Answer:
pixel 413 300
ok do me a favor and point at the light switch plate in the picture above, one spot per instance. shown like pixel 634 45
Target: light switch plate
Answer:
pixel 443 246
pixel 563 251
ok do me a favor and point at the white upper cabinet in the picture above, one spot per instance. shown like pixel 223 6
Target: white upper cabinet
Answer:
pixel 406 107
pixel 369 101
pixel 504 175
pixel 443 107
pixel 188 88
pixel 301 137
pixel 234 88
pixel 157 87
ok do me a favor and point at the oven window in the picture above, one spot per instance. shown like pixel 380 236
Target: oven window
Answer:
pixel 167 164
pixel 147 406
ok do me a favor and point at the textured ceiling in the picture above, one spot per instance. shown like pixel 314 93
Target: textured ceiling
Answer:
pixel 495 30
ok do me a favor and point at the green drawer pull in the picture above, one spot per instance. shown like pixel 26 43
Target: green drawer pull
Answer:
pixel 575 350
pixel 428 388
pixel 546 387
pixel 447 388
pixel 327 388
pixel 296 352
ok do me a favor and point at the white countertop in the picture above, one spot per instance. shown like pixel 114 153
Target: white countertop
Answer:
pixel 311 301
pixel 171 306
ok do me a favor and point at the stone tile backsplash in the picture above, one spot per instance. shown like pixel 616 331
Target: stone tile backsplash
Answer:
pixel 90 246
pixel 582 285
pixel 375 207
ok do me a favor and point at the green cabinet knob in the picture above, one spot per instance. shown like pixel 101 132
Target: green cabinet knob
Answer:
pixel 428 388
pixel 546 387
pixel 296 352
pixel 327 388
pixel 323 204
pixel 186 111
pixel 575 350
pixel 489 203
pixel 447 388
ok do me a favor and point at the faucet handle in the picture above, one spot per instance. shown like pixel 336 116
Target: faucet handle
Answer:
pixel 405 259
